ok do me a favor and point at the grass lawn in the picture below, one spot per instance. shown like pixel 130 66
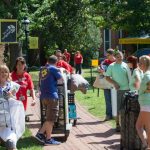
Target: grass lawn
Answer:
pixel 27 142
pixel 91 101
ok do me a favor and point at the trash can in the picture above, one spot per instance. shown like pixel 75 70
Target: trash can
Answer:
pixel 129 114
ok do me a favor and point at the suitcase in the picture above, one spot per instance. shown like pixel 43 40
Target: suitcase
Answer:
pixel 129 114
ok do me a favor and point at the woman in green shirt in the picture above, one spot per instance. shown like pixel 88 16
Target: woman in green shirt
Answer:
pixel 143 122
pixel 136 73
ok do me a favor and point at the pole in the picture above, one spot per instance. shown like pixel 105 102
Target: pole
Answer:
pixel 27 45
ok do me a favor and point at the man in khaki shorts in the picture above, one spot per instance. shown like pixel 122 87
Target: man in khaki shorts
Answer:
pixel 49 75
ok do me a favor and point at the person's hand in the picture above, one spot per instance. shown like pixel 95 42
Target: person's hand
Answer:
pixel 116 86
pixel 100 70
pixel 33 103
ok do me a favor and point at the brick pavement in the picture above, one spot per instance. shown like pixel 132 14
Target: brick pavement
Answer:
pixel 89 134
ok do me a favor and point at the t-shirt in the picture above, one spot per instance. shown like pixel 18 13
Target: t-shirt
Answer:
pixel 63 64
pixel 137 73
pixel 25 83
pixel 67 55
pixel 9 87
pixel 48 82
pixel 104 65
pixel 144 98
pixel 78 59
pixel 120 73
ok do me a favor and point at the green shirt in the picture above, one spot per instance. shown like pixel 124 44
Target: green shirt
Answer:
pixel 137 73
pixel 144 98
pixel 120 73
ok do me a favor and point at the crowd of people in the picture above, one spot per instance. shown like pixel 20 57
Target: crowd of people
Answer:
pixel 50 73
pixel 124 75
pixel 128 75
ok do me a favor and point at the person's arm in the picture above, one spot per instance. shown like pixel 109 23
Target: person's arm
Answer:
pixel 31 88
pixel 148 88
pixel 32 92
pixel 112 82
pixel 81 59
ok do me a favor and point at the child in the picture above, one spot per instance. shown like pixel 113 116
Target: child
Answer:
pixel 8 90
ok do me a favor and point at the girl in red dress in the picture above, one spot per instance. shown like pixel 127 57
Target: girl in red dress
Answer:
pixel 20 76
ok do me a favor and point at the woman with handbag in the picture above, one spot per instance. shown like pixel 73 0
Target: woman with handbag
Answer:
pixel 107 93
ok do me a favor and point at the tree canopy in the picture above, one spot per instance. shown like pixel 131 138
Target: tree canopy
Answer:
pixel 74 24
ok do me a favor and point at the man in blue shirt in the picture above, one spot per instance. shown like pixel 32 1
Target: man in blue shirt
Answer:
pixel 49 75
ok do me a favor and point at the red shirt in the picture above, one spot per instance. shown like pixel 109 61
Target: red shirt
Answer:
pixel 63 64
pixel 25 83
pixel 67 55
pixel 78 59
pixel 108 62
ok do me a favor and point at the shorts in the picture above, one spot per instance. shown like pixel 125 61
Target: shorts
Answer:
pixel 52 109
pixel 145 108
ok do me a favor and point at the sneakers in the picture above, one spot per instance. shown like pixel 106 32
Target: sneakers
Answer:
pixel 51 142
pixel 40 137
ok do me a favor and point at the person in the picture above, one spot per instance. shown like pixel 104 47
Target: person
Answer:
pixel 20 76
pixel 143 121
pixel 12 132
pixel 107 93
pixel 118 74
pixel 78 60
pixel 67 55
pixel 136 73
pixel 49 75
pixel 62 63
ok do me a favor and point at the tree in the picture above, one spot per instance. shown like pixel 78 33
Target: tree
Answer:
pixel 130 15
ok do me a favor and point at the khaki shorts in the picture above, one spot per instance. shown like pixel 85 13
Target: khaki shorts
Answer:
pixel 52 109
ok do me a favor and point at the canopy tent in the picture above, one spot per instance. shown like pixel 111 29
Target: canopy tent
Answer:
pixel 140 40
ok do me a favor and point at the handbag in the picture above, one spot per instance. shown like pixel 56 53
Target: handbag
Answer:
pixel 102 83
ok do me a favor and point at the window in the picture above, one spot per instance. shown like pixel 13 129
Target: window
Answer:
pixel 107 40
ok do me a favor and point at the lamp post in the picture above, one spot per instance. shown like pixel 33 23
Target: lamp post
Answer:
pixel 25 23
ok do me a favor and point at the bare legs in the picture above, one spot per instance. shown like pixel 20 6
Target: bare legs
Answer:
pixel 142 123
pixel 47 128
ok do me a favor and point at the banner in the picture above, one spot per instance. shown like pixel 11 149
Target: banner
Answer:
pixel 94 62
pixel 8 31
pixel 33 42
pixel 134 41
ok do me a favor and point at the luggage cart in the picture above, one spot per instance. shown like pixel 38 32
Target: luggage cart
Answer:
pixel 72 108
pixel 62 126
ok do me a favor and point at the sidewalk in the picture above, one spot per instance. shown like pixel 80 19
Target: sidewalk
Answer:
pixel 89 134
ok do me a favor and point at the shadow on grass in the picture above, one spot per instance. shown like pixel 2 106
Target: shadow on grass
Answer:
pixel 28 143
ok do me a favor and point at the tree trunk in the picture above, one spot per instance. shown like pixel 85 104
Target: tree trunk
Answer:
pixel 15 51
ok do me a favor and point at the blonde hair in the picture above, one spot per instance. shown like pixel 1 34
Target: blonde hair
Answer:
pixel 146 61
pixel 5 68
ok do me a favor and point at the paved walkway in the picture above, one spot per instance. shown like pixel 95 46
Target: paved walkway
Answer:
pixel 89 134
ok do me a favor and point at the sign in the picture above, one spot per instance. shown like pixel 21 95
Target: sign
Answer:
pixel 95 62
pixel 33 42
pixel 134 41
pixel 8 31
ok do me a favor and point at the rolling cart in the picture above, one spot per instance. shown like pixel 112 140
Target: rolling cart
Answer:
pixel 62 126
